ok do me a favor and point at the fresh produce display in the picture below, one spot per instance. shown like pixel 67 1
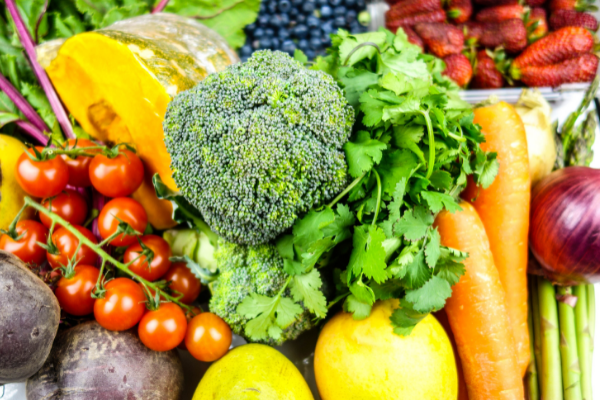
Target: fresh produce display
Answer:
pixel 502 35
pixel 287 25
pixel 88 361
pixel 25 336
pixel 366 360
pixel 178 201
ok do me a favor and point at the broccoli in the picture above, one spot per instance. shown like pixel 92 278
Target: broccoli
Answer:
pixel 257 144
pixel 248 270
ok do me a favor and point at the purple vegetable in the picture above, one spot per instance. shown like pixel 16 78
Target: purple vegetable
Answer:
pixel 29 45
pixel 565 225
pixel 32 131
pixel 23 106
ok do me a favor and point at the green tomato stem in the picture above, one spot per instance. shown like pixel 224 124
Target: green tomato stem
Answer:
pixel 571 370
pixel 584 351
pixel 551 379
pixel 98 250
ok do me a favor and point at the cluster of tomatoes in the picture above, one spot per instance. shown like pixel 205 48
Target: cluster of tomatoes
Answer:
pixel 58 176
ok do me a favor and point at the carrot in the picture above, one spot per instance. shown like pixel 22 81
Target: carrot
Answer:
pixel 442 318
pixel 477 312
pixel 504 210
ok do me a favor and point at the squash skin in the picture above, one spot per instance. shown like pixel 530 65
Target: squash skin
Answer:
pixel 117 82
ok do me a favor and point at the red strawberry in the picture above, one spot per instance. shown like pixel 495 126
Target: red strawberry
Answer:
pixel 460 11
pixel 407 8
pixel 486 74
pixel 576 5
pixel 558 46
pixel 458 68
pixel 433 16
pixel 474 30
pixel 511 34
pixel 579 69
pixel 500 13
pixel 561 18
pixel 536 24
pixel 535 3
pixel 441 39
pixel 413 37
pixel 491 3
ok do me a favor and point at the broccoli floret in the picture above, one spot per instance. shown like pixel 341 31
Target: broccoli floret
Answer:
pixel 245 270
pixel 257 144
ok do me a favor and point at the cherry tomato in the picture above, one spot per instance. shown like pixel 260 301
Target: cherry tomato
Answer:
pixel 184 282
pixel 67 244
pixel 160 263
pixel 70 205
pixel 163 329
pixel 122 306
pixel 74 294
pixel 208 337
pixel 26 248
pixel 126 210
pixel 79 167
pixel 42 178
pixel 119 176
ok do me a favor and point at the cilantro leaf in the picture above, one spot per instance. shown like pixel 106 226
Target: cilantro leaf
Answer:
pixel 268 316
pixel 305 288
pixel 358 309
pixel 414 223
pixel 362 153
pixel 432 250
pixel 407 137
pixel 431 296
pixel 309 229
pixel 417 273
pixel 405 318
pixel 395 166
pixel 372 108
pixel 441 180
pixel 438 201
pixel 351 53
pixel 368 255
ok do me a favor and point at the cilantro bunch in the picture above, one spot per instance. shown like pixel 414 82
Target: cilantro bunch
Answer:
pixel 412 149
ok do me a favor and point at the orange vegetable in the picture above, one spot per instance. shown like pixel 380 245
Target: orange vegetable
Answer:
pixel 504 210
pixel 477 312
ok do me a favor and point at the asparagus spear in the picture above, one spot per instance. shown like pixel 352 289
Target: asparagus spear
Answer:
pixel 536 339
pixel 533 390
pixel 583 341
pixel 551 380
pixel 571 370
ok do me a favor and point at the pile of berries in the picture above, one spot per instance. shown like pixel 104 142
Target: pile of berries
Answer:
pixel 287 25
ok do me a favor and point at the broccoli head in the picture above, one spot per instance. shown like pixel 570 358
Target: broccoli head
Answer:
pixel 247 270
pixel 258 143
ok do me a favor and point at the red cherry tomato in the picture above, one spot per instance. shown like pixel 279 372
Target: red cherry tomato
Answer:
pixel 26 248
pixel 122 306
pixel 119 176
pixel 139 263
pixel 74 294
pixel 183 281
pixel 163 329
pixel 126 210
pixel 79 167
pixel 67 244
pixel 208 337
pixel 70 205
pixel 42 178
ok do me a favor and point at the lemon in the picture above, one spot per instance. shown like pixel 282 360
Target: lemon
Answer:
pixel 11 194
pixel 364 360
pixel 253 372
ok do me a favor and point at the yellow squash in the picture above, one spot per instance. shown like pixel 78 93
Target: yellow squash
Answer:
pixel 117 82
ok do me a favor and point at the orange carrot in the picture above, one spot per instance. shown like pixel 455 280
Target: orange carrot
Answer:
pixel 477 312
pixel 504 210
pixel 462 386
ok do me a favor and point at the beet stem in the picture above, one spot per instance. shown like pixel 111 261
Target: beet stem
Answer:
pixel 32 131
pixel 23 105
pixel 160 6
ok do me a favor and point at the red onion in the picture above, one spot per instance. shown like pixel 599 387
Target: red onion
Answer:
pixel 565 225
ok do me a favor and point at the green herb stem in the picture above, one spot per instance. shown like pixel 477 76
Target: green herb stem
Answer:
pixel 378 206
pixel 431 137
pixel 347 190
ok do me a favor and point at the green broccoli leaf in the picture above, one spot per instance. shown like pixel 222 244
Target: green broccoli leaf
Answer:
pixel 431 296
pixel 306 288
pixel 363 153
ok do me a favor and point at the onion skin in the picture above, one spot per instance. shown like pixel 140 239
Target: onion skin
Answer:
pixel 564 231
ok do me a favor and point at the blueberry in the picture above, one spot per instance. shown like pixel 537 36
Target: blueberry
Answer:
pixel 355 27
pixel 303 44
pixel 361 4
pixel 308 7
pixel 250 28
pixel 326 40
pixel 312 21
pixel 263 20
pixel 284 6
pixel 315 33
pixel 350 16
pixel 275 21
pixel 326 12
pixel 300 18
pixel 339 22
pixel 272 6
pixel 263 9
pixel 297 3
pixel 259 32
pixel 288 46
pixel 350 3
pixel 339 11
pixel 310 54
pixel 335 2
pixel 246 50
pixel 275 44
pixel 265 43
pixel 327 27
pixel 300 31
pixel 315 43
pixel 283 34
pixel 269 33
pixel 285 19
pixel 244 58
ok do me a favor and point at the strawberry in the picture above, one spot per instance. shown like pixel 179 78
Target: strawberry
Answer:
pixel 460 11
pixel 441 39
pixel 433 16
pixel 576 5
pixel 536 24
pixel 510 34
pixel 491 3
pixel 561 18
pixel 458 68
pixel 407 8
pixel 535 3
pixel 474 30
pixel 500 13
pixel 579 69
pixel 413 37
pixel 556 47
pixel 486 74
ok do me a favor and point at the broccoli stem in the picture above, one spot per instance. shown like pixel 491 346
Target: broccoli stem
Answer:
pixel 533 389
pixel 571 370
pixel 551 387
pixel 583 340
